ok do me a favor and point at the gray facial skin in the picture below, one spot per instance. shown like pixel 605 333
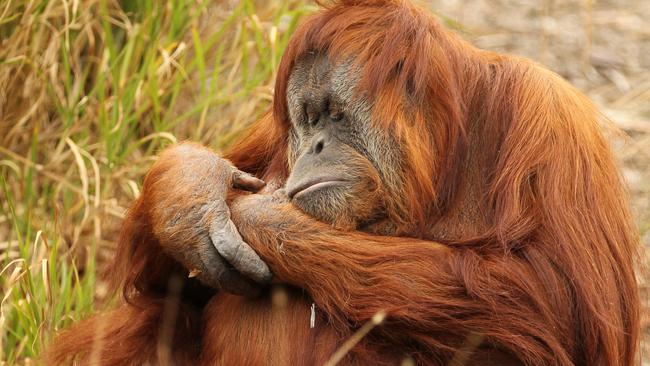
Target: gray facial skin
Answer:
pixel 342 167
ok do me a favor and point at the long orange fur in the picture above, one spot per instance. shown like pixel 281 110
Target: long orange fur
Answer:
pixel 547 274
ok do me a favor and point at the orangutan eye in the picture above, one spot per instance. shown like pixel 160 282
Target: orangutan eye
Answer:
pixel 311 116
pixel 336 116
pixel 335 112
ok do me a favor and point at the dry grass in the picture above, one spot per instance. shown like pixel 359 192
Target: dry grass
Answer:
pixel 91 90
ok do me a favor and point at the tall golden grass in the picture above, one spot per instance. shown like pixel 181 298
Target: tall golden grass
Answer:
pixel 89 92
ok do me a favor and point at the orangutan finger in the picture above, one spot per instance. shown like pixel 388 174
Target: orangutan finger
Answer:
pixel 247 182
pixel 240 255
pixel 216 272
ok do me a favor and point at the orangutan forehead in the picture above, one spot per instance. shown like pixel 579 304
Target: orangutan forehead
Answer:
pixel 316 78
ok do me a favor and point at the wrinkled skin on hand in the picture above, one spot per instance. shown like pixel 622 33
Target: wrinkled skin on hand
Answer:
pixel 190 186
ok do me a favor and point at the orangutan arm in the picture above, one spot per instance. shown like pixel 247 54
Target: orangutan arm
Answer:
pixel 421 285
pixel 184 202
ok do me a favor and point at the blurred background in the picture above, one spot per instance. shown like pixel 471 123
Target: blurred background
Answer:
pixel 90 91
